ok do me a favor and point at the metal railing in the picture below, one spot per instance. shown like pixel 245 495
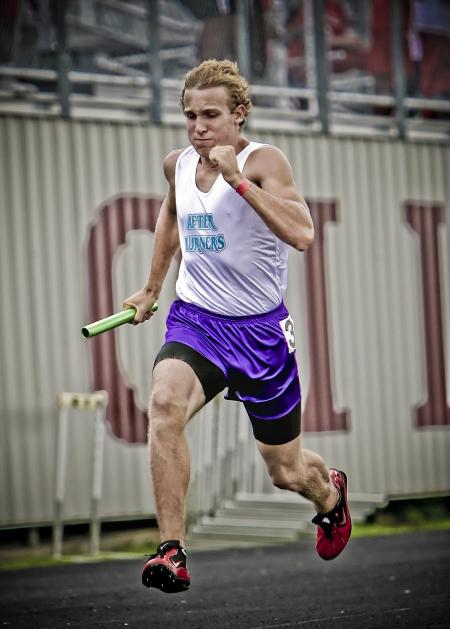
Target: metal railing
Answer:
pixel 132 84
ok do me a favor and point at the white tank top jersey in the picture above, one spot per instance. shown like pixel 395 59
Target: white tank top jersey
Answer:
pixel 232 263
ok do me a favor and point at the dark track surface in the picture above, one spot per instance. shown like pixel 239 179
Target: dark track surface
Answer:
pixel 384 582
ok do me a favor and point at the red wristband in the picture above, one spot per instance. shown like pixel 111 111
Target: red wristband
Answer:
pixel 243 187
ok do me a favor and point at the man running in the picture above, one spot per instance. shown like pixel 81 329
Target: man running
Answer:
pixel 233 208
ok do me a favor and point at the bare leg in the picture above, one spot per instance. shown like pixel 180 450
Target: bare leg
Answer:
pixel 176 396
pixel 303 471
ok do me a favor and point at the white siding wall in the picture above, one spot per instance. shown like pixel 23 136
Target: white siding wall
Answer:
pixel 53 177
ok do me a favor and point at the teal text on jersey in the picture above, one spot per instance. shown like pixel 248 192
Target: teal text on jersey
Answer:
pixel 201 244
pixel 201 221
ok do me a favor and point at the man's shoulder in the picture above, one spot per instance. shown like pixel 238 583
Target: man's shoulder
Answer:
pixel 170 160
pixel 173 156
pixel 266 156
pixel 264 151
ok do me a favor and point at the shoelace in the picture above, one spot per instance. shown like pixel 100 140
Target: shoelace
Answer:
pixel 325 521
pixel 161 552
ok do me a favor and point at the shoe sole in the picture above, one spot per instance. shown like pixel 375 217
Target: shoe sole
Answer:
pixel 160 577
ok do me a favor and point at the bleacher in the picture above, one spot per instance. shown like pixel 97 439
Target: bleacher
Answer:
pixel 341 67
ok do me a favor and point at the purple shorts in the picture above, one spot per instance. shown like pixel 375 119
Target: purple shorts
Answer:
pixel 255 356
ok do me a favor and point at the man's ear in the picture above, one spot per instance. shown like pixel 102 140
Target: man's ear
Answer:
pixel 239 113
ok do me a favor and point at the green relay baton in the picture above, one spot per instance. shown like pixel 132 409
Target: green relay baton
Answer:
pixel 108 323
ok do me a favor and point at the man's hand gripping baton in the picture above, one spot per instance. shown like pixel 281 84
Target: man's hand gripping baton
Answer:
pixel 114 320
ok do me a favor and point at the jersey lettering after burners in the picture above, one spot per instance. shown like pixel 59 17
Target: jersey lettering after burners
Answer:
pixel 232 263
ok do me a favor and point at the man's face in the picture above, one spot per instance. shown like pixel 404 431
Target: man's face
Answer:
pixel 209 120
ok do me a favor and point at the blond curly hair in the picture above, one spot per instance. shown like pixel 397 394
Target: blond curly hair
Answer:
pixel 213 73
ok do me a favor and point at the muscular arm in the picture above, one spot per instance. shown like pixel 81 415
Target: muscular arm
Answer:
pixel 273 194
pixel 165 246
pixel 166 232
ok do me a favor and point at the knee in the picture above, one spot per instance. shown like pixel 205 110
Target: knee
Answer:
pixel 167 412
pixel 280 480
pixel 292 476
pixel 285 477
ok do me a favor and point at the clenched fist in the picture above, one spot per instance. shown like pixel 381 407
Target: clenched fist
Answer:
pixel 224 158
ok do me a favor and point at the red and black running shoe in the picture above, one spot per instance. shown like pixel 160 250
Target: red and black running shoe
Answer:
pixel 167 569
pixel 334 528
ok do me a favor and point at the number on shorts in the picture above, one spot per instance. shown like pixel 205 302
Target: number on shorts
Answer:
pixel 287 325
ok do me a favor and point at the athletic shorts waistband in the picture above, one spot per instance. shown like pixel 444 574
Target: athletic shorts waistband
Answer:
pixel 263 316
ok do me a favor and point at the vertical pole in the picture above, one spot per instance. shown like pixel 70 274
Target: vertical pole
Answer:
pixel 242 37
pixel 398 65
pixel 321 62
pixel 63 58
pixel 86 12
pixel 60 480
pixel 97 475
pixel 215 461
pixel 44 36
pixel 309 44
pixel 155 64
